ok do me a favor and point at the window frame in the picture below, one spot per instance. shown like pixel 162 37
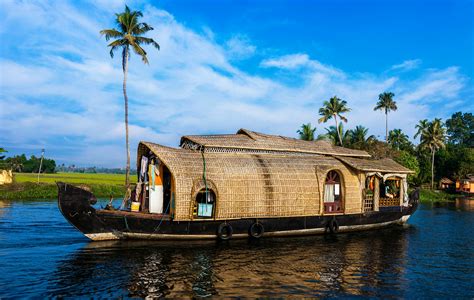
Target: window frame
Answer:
pixel 330 207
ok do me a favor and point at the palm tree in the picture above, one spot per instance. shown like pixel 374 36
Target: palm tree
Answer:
pixel 128 35
pixel 306 132
pixel 334 108
pixel 358 137
pixel 2 151
pixel 387 104
pixel 421 127
pixel 335 135
pixel 433 138
pixel 397 138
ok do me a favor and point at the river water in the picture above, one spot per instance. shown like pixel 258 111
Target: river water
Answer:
pixel 41 255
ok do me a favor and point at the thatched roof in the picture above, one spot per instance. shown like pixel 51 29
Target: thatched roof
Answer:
pixel 385 165
pixel 446 180
pixel 250 141
pixel 253 184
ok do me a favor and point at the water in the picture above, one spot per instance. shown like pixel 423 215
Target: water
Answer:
pixel 41 255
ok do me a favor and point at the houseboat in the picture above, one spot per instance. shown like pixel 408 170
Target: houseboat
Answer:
pixel 244 185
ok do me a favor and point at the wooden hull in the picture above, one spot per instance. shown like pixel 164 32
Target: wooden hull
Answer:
pixel 76 206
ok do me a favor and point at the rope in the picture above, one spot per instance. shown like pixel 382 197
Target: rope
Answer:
pixel 126 223
pixel 162 217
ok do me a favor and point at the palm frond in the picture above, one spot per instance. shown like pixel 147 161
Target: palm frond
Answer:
pixel 140 51
pixel 147 41
pixel 128 32
pixel 111 33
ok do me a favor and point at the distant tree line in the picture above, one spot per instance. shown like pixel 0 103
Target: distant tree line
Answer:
pixel 20 163
pixel 445 149
pixel 75 169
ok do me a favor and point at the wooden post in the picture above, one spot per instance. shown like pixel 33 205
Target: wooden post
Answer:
pixel 41 164
pixel 402 192
pixel 376 194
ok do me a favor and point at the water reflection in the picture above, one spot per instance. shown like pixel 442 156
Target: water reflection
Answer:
pixel 351 264
pixel 3 206
pixel 465 204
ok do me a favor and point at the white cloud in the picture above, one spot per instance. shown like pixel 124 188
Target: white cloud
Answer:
pixel 291 61
pixel 67 96
pixel 300 60
pixel 407 65
pixel 240 47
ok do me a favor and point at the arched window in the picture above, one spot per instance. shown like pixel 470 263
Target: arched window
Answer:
pixel 333 193
pixel 205 203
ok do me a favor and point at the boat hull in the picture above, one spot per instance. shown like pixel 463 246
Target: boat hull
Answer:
pixel 76 206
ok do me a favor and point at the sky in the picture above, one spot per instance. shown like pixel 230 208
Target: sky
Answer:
pixel 262 65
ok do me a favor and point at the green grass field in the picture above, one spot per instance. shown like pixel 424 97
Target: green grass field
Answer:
pixel 25 185
pixel 74 178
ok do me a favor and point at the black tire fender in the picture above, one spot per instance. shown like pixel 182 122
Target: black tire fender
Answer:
pixel 332 226
pixel 224 231
pixel 256 230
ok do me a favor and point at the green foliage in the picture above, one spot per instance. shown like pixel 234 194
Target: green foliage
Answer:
pixel 433 136
pixel 129 35
pixel 334 136
pixel 334 108
pixel 358 138
pixel 455 161
pixel 306 132
pixel 75 178
pixel 20 163
pixel 409 161
pixel 25 186
pixel 398 140
pixel 34 191
pixel 386 102
pixel 436 196
pixel 460 129
pixel 2 151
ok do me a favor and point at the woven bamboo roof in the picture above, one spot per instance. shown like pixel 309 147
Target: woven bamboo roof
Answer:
pixel 250 141
pixel 385 165
pixel 253 184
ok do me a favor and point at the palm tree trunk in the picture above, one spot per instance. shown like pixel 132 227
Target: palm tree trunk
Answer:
pixel 127 170
pixel 432 166
pixel 386 127
pixel 337 130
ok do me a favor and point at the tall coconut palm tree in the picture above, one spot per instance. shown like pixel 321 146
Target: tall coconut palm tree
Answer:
pixel 128 35
pixel 396 138
pixel 334 108
pixel 387 104
pixel 421 127
pixel 306 132
pixel 433 138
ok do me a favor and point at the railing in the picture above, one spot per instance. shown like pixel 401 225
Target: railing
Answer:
pixel 369 203
pixel 332 207
pixel 389 201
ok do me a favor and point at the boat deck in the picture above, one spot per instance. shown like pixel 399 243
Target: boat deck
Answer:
pixel 141 215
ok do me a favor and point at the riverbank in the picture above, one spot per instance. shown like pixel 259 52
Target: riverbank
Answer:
pixel 428 196
pixel 25 186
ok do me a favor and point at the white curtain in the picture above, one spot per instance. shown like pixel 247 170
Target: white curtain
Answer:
pixel 329 193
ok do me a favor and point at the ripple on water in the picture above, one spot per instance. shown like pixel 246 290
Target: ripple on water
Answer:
pixel 41 255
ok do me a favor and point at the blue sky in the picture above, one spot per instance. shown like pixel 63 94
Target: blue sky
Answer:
pixel 225 65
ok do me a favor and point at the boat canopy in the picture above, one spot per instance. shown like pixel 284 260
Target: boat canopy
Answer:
pixel 259 175
pixel 385 165
pixel 250 141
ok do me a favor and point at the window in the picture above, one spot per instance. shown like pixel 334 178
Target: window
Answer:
pixel 205 204
pixel 390 192
pixel 333 192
